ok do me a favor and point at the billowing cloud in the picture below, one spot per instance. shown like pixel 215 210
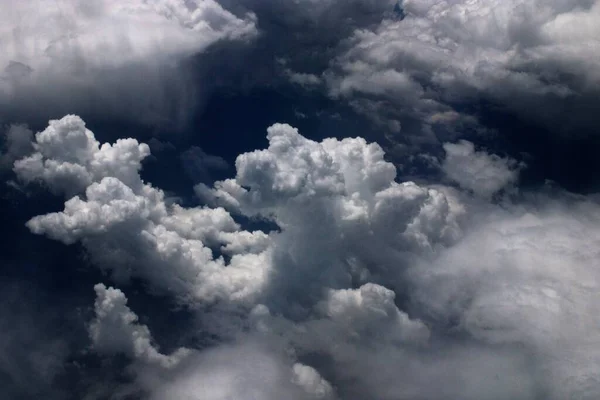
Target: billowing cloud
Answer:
pixel 121 220
pixel 116 330
pixel 532 59
pixel 368 288
pixel 330 198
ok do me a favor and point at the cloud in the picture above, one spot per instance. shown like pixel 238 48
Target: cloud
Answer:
pixel 330 198
pixel 251 369
pixel 526 277
pixel 444 56
pixel 478 171
pixel 116 330
pixel 368 288
pixel 309 379
pixel 128 229
pixel 248 370
pixel 126 225
pixel 68 158
pixel 76 56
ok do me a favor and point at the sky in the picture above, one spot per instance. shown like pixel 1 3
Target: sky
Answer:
pixel 300 199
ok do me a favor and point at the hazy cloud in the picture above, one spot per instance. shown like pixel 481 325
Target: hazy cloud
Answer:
pixel 478 171
pixel 119 59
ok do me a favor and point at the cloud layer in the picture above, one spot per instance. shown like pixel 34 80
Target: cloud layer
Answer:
pixel 108 57
pixel 425 74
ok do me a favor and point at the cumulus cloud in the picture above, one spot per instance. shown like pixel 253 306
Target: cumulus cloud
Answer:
pixel 233 372
pixel 369 288
pixel 127 227
pixel 116 330
pixel 73 55
pixel 68 158
pixel 331 195
pixel 330 198
pixel 478 171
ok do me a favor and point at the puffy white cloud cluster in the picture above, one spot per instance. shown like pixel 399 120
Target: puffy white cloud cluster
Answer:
pixel 478 171
pixel 116 330
pixel 127 227
pixel 528 56
pixel 331 199
pixel 309 379
pixel 330 195
pixel 370 289
pixel 66 52
pixel 370 310
pixel 68 158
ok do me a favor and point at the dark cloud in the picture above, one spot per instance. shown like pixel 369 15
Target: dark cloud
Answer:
pixel 200 166
pixel 32 351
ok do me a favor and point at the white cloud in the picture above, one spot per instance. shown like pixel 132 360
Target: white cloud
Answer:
pixel 128 228
pixel 250 370
pixel 116 330
pixel 330 195
pixel 303 79
pixel 370 311
pixel 385 289
pixel 111 33
pixel 478 171
pixel 309 379
pixel 68 158
pixel 330 199
pixel 516 53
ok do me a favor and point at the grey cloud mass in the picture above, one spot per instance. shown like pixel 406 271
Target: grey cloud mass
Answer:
pixel 431 257
pixel 535 59
pixel 482 173
pixel 124 57
pixel 498 297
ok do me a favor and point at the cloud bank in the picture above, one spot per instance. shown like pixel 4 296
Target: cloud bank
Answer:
pixel 112 58
pixel 426 74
